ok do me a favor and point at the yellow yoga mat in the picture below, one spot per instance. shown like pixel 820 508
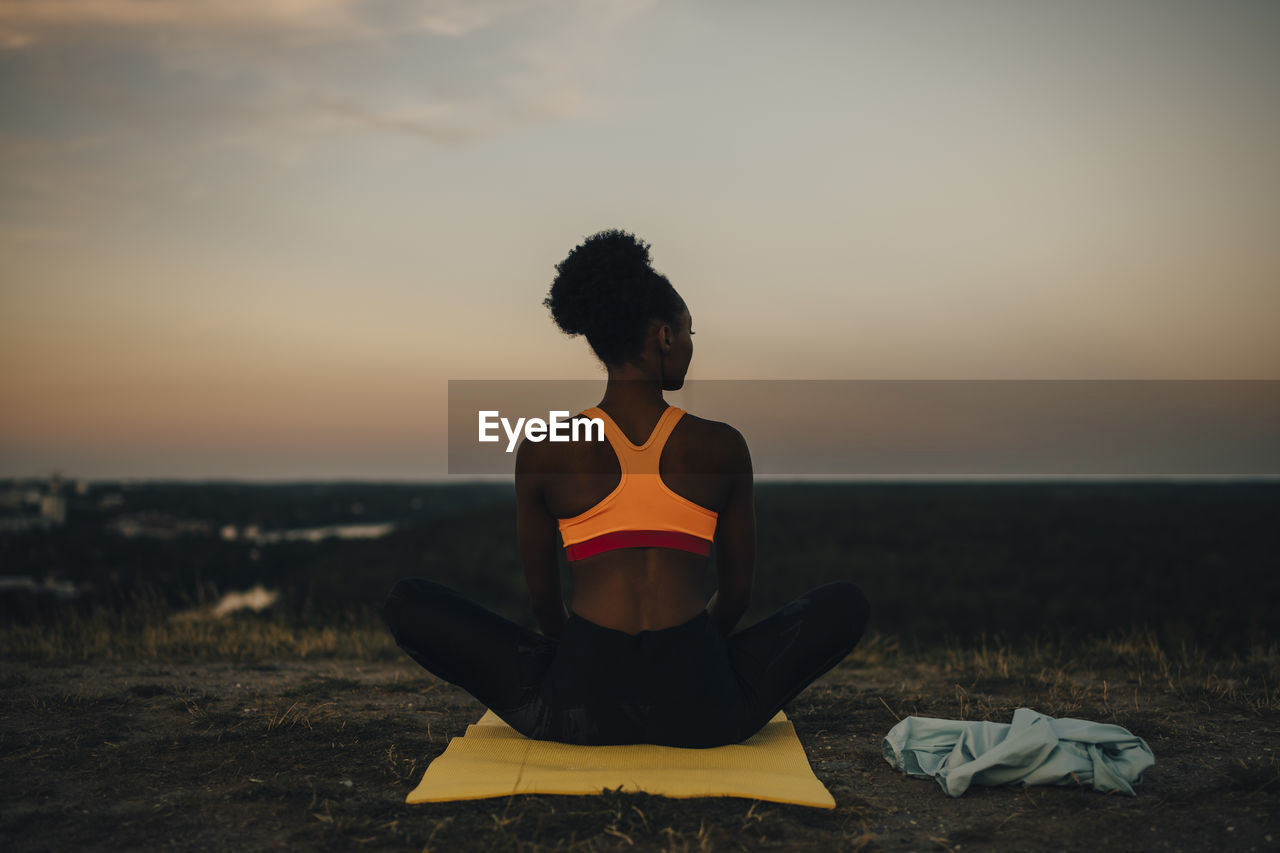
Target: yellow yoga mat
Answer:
pixel 494 760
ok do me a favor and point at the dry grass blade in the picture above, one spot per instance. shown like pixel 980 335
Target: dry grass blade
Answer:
pixel 890 710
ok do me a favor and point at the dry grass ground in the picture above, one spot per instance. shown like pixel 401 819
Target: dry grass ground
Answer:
pixel 250 735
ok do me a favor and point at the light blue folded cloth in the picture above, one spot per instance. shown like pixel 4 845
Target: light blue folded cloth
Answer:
pixel 1032 750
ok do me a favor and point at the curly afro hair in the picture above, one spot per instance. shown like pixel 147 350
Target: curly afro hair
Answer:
pixel 607 290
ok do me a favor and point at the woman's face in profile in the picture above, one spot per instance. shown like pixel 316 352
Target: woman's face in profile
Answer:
pixel 675 364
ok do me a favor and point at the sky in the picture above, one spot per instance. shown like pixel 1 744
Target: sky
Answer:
pixel 255 240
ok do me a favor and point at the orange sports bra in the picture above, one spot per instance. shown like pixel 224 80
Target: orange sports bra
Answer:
pixel 641 512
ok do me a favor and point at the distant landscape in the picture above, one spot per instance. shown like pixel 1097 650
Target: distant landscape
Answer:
pixel 1193 562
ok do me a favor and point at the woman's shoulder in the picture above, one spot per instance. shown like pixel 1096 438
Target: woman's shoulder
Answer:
pixel 704 426
pixel 716 438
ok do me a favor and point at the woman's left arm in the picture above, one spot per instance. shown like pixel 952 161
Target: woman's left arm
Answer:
pixel 536 532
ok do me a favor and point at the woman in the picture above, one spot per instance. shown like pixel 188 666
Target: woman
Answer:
pixel 641 656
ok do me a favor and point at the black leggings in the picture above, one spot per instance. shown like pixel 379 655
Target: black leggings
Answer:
pixel 682 686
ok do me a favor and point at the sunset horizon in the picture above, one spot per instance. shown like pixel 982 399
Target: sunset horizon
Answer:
pixel 258 242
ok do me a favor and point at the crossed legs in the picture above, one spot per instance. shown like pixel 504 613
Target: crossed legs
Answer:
pixel 504 665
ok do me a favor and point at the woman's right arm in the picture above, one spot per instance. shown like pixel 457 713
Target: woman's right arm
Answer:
pixel 536 535
pixel 735 538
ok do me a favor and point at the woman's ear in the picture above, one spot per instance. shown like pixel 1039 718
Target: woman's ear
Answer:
pixel 665 337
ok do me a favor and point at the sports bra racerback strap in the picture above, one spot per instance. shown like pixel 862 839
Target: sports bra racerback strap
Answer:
pixel 641 511
pixel 638 458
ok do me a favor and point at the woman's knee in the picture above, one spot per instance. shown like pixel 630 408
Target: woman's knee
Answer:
pixel 411 600
pixel 845 605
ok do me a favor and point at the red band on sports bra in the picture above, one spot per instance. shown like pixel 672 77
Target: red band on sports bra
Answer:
pixel 638 539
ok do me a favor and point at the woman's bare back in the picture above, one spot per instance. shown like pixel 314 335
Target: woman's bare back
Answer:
pixel 638 589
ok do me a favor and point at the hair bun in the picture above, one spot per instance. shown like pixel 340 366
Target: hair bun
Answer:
pixel 602 276
pixel 607 290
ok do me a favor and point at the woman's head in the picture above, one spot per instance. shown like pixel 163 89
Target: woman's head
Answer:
pixel 606 290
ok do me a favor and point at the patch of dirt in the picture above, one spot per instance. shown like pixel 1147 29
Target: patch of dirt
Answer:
pixel 320 755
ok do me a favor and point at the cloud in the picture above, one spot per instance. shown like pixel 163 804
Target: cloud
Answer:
pixel 445 123
pixel 29 22
pixel 461 18
pixel 446 70
pixel 118 105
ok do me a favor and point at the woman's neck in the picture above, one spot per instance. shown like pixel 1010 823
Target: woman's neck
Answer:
pixel 630 390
